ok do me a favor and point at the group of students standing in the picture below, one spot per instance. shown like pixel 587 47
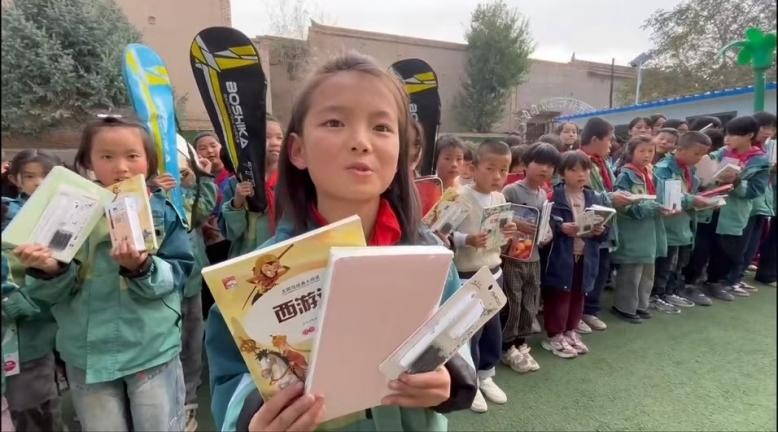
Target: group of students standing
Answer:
pixel 128 329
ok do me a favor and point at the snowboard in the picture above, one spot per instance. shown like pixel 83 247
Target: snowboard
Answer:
pixel 421 84
pixel 151 94
pixel 232 85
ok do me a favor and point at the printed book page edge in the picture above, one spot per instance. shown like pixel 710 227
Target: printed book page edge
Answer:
pixel 280 245
pixel 325 299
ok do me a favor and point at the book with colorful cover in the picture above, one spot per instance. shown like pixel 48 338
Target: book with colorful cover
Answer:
pixel 374 299
pixel 447 214
pixel 61 214
pixel 135 190
pixel 270 301
pixel 430 190
pixel 593 216
pixel 492 223
pixel 521 245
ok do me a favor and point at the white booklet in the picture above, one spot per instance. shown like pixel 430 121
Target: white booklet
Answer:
pixel 594 216
pixel 672 195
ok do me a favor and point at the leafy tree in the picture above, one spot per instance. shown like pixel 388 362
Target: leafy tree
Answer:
pixel 61 61
pixel 687 40
pixel 498 47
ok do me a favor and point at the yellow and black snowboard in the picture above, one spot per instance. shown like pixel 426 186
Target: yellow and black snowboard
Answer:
pixel 229 76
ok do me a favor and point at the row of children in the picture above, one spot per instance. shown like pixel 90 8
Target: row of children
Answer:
pixel 125 321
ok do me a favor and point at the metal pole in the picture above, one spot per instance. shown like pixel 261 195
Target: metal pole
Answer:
pixel 637 87
pixel 610 96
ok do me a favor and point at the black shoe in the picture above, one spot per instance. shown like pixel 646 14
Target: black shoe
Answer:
pixel 718 292
pixel 630 318
pixel 643 314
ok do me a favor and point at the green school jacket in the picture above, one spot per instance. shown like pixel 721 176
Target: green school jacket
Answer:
pixel 680 228
pixel 244 229
pixel 754 178
pixel 205 205
pixel 34 322
pixel 598 185
pixel 112 325
pixel 641 227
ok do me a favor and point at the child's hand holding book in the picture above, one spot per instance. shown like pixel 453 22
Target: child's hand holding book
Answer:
pixel 127 257
pixel 38 257
pixel 477 241
pixel 421 390
pixel 570 229
pixel 289 410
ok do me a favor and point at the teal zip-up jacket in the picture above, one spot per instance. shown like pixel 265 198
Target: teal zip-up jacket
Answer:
pixel 244 229
pixel 232 386
pixel 680 228
pixel 113 324
pixel 641 229
pixel 35 323
pixel 752 184
pixel 197 218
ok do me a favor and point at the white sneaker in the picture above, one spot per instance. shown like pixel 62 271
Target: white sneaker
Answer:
pixel 583 328
pixel 517 360
pixel 595 323
pixel 531 360
pixel 559 347
pixel 492 392
pixel 191 417
pixel 574 340
pixel 479 403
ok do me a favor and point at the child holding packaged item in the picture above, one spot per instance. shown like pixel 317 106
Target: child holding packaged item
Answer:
pixel 247 229
pixel 572 262
pixel 491 163
pixel 669 291
pixel 522 279
pixel 450 160
pixel 641 234
pixel 736 221
pixel 345 153
pixel 33 397
pixel 118 309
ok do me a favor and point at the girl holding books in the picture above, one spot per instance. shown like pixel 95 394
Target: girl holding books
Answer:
pixel 119 309
pixel 345 153
pixel 641 233
pixel 33 397
pixel 247 229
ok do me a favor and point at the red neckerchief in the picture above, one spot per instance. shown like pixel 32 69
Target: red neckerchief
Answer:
pixel 687 175
pixel 386 231
pixel 745 156
pixel 270 193
pixel 604 173
pixel 644 173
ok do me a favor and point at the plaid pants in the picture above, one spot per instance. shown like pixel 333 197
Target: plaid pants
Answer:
pixel 522 288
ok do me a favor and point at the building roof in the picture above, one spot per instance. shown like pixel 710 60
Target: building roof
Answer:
pixel 669 101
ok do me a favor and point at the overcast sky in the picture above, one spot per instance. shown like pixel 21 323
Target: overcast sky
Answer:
pixel 595 30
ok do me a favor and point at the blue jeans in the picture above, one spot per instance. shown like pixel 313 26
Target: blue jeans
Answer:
pixel 752 235
pixel 592 300
pixel 486 343
pixel 151 400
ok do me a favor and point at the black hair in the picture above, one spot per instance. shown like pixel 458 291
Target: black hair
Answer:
pixel 764 119
pixel 446 142
pixel 572 159
pixel 491 146
pixel 654 118
pixel 543 154
pixel 48 161
pixel 513 141
pixel 595 128
pixel 744 125
pixel 517 155
pixel 637 120
pixel 675 123
pixel 668 130
pixel 700 122
pixel 82 160
pixel 553 139
pixel 468 153
pixel 558 129
pixel 716 138
pixel 693 138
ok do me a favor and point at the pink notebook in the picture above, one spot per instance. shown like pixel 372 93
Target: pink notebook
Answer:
pixel 374 299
